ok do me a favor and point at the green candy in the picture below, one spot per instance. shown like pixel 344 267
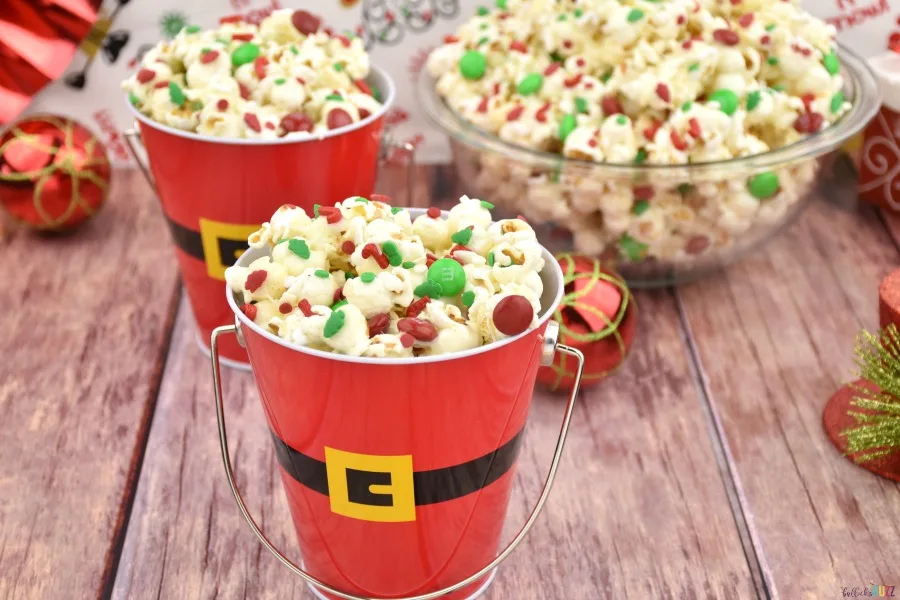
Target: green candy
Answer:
pixel 361 199
pixel 408 264
pixel 567 126
pixel 501 4
pixel 295 50
pixel 482 11
pixel 773 60
pixel 764 185
pixel 316 210
pixel 462 237
pixel 753 99
pixel 133 99
pixel 621 119
pixel 176 94
pixel 338 67
pixel 635 15
pixel 779 88
pixel 395 210
pixel 280 81
pixel 581 105
pixel 837 101
pixel 449 275
pixel 687 106
pixel 468 298
pixel 770 27
pixel 334 323
pixel 530 84
pixel 728 100
pixel 607 76
pixel 483 40
pixel 631 248
pixel 245 53
pixel 557 57
pixel 337 305
pixel 299 248
pixel 192 29
pixel 693 67
pixel 334 97
pixel 197 105
pixel 832 63
pixel 640 207
pixel 578 12
pixel 487 205
pixel 392 252
pixel 490 259
pixel 321 273
pixel 641 157
pixel 429 288
pixel 472 65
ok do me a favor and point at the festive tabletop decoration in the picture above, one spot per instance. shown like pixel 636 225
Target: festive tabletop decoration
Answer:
pixel 863 418
pixel 54 173
pixel 597 315
pixel 889 300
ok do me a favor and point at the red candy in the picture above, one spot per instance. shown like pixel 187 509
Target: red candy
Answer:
pixel 222 104
pixel 678 141
pixel 746 20
pixel 208 57
pixel 808 99
pixel 161 84
pixel 809 122
pixel 284 308
pixel 331 213
pixel 270 125
pixel 551 69
pixel 765 40
pixel 242 37
pixel 249 310
pixel 363 113
pixel 252 122
pixel 296 121
pixel 450 39
pixel 515 113
pixel 483 105
pixel 255 280
pixel 513 315
pixel 363 86
pixel 650 132
pixel 419 329
pixel 305 307
pixel 259 65
pixel 429 258
pixel 245 91
pixel 380 198
pixel 374 252
pixel 694 128
pixel 338 117
pixel 338 295
pixel 610 105
pixel 727 37
pixel 662 90
pixel 406 340
pixel 416 307
pixel 305 22
pixel 434 212
pixel 378 324
pixel 230 19
pixel 518 46
pixel 573 81
pixel 643 192
pixel 681 20
pixel 348 247
pixel 145 75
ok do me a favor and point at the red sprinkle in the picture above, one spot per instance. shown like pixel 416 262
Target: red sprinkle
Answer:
pixel 419 329
pixel 727 37
pixel 518 46
pixel 406 340
pixel 580 63
pixel 611 105
pixel 332 214
pixel 417 306
pixel 255 280
pixel 252 122
pixel 567 44
pixel 270 125
pixel 687 44
pixel 230 19
pixel 243 37
pixel 161 84
pixel 305 308
pixel 259 65
pixel 222 104
pixel 678 141
pixel 378 324
pixel 515 113
pixel 208 57
pixel 245 91
pixel 573 81
pixel 348 247
pixel 284 308
pixel 434 212
pixel 363 86
pixel 380 198
pixel 682 19
pixel 650 132
pixel 338 117
pixel 662 90
pixel 338 295
pixel 300 80
pixel 249 310
pixel 808 99
pixel 330 32
pixel 765 40
pixel 344 40
pixel 374 252
pixel 483 105
pixel 305 22
pixel 459 248
pixel 429 258
pixel 145 75
pixel 551 69
pixel 296 121
pixel 643 192
pixel 541 115
pixel 450 39
pixel 746 20
pixel 694 128
pixel 592 143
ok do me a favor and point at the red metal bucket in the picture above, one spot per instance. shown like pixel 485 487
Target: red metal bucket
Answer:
pixel 216 192
pixel 398 472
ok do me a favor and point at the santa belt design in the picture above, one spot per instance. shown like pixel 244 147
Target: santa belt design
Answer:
pixel 385 488
pixel 217 244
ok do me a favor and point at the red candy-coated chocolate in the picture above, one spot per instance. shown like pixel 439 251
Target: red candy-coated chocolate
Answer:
pixel 242 37
pixel 407 340
pixel 222 104
pixel 727 37
pixel 145 75
pixel 610 105
pixel 338 117
pixel 378 324
pixel 419 329
pixel 380 198
pixel 348 247
pixel 305 22
pixel 209 56
pixel 416 307
pixel 305 307
pixel 296 121
pixel 249 310
pixel 434 212
pixel 694 128
pixel 513 315
pixel 284 308
pixel 255 280
pixel 252 122
pixel 662 90
pixel 259 66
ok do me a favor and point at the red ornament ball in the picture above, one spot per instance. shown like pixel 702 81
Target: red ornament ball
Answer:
pixel 54 173
pixel 597 316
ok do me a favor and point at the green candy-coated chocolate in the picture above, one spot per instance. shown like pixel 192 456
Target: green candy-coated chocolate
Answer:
pixel 832 64
pixel 449 274
pixel 392 252
pixel 530 84
pixel 334 323
pixel 753 99
pixel 429 288
pixel 245 53
pixel 501 4
pixel 487 205
pixel 566 126
pixel 468 298
pixel 764 185
pixel 728 100
pixel 837 101
pixel 321 273
pixel 472 65
pixel 299 248
pixel 462 236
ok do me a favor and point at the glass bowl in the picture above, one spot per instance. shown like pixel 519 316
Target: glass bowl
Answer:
pixel 707 219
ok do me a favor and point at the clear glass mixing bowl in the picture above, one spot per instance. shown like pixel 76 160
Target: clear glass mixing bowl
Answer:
pixel 562 198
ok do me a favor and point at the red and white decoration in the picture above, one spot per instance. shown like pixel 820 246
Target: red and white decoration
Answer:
pixel 879 172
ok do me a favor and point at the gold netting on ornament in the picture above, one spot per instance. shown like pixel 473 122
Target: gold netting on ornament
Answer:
pixel 41 176
pixel 571 300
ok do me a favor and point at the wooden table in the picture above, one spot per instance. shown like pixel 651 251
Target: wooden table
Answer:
pixel 700 470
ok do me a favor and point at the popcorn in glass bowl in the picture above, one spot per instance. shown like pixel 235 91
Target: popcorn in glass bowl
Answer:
pixel 669 136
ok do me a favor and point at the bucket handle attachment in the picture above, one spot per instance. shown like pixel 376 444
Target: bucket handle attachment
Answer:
pixel 549 349
pixel 133 139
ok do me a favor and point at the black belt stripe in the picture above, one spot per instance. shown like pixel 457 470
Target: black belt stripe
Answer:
pixel 186 239
pixel 429 487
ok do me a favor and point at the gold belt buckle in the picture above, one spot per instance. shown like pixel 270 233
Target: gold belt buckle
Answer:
pixel 370 487
pixel 223 243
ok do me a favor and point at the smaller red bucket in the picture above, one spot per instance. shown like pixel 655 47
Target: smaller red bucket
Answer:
pixel 215 192
pixel 398 472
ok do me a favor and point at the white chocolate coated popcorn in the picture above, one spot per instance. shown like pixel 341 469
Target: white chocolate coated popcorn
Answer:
pixel 363 279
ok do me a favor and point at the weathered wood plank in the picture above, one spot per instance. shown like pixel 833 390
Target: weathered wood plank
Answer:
pixel 774 334
pixel 85 328
pixel 640 509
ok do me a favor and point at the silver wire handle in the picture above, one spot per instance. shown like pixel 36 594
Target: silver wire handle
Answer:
pixel 550 346
pixel 133 138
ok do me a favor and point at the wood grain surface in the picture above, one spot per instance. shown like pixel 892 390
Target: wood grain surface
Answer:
pixel 639 509
pixel 774 337
pixel 85 325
